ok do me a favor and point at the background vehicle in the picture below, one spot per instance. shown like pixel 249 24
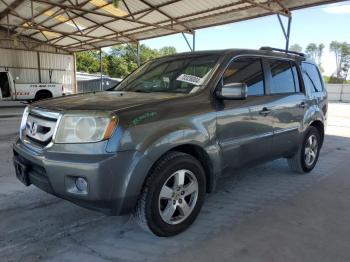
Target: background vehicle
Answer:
pixel 158 142
pixel 11 90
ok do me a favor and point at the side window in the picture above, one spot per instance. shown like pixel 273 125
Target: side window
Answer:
pixel 282 77
pixel 296 78
pixel 248 71
pixel 312 78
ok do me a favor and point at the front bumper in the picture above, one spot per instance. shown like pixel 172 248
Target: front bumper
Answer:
pixel 113 179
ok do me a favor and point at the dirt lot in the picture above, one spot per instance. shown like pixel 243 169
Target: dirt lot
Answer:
pixel 265 213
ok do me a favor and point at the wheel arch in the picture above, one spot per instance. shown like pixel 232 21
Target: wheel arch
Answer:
pixel 203 157
pixel 43 91
pixel 320 127
pixel 199 153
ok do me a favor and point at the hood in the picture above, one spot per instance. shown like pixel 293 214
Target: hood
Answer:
pixel 106 101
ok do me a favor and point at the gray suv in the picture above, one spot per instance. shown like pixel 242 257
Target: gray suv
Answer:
pixel 155 144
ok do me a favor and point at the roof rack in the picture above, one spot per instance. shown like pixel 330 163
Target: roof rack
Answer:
pixel 267 48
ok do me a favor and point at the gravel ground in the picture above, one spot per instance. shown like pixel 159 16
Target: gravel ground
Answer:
pixel 265 213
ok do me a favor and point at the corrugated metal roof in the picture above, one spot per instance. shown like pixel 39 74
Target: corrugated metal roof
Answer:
pixel 75 25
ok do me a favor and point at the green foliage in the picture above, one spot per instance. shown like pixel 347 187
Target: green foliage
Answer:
pixel 311 51
pixel 296 48
pixel 88 61
pixel 315 52
pixel 115 3
pixel 120 60
pixel 342 57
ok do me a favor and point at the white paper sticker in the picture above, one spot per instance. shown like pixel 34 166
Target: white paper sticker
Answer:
pixel 194 80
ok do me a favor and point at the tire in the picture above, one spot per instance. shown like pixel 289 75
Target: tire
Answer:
pixel 299 161
pixel 42 95
pixel 151 210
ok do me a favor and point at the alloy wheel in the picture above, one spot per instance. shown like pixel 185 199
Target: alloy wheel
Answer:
pixel 311 150
pixel 178 197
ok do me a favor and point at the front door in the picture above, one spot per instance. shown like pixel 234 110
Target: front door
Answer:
pixel 245 126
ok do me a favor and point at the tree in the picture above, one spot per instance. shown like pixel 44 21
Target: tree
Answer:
pixel 88 61
pixel 115 67
pixel 315 52
pixel 296 48
pixel 319 54
pixel 120 60
pixel 342 58
pixel 311 51
pixel 167 50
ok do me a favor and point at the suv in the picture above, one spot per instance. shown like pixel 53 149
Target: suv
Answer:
pixel 155 144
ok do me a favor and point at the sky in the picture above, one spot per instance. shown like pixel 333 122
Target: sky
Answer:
pixel 321 24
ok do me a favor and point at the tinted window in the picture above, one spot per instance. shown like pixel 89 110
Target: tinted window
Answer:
pixel 296 78
pixel 312 78
pixel 248 71
pixel 282 77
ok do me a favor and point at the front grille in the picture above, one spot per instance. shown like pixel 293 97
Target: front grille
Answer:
pixel 40 127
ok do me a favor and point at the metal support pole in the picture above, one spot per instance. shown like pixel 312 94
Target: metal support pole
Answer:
pixel 101 70
pixel 39 66
pixel 188 43
pixel 288 32
pixel 194 41
pixel 75 84
pixel 282 26
pixel 285 33
pixel 138 54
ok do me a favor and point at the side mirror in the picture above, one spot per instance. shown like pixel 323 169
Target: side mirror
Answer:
pixel 233 91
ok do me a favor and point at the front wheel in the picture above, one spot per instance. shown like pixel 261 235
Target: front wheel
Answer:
pixel 172 196
pixel 307 155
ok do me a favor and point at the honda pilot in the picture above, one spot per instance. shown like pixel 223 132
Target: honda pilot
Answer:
pixel 156 144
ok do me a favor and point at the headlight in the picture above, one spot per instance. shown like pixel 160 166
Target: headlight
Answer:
pixel 24 122
pixel 92 127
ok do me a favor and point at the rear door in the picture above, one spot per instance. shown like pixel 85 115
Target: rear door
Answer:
pixel 244 132
pixel 288 103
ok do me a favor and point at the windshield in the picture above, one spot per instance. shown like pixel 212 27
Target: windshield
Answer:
pixel 171 75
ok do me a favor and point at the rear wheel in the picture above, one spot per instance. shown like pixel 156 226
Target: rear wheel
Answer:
pixel 42 95
pixel 172 196
pixel 306 157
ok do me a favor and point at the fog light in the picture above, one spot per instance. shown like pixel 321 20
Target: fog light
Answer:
pixel 81 184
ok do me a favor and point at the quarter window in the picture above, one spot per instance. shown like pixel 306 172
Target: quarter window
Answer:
pixel 248 71
pixel 312 78
pixel 296 78
pixel 282 77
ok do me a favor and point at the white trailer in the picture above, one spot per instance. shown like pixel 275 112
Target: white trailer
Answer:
pixel 11 90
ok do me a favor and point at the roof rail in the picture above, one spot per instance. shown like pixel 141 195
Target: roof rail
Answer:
pixel 267 48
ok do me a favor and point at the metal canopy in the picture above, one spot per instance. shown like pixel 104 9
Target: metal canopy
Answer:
pixel 77 25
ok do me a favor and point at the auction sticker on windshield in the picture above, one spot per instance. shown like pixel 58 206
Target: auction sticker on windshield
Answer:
pixel 194 80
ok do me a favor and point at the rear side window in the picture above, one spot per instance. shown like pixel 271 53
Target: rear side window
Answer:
pixel 248 71
pixel 282 77
pixel 296 77
pixel 312 78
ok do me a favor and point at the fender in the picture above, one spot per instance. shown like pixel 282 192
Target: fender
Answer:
pixel 162 140
pixel 313 113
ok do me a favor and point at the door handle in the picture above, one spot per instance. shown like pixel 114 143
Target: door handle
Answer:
pixel 302 105
pixel 265 111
